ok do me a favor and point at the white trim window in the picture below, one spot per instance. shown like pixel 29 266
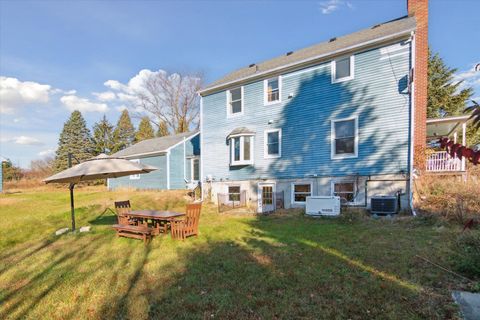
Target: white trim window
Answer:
pixel 343 69
pixel 300 192
pixel 135 176
pixel 234 193
pixel 346 190
pixel 241 150
pixel 272 143
pixel 235 101
pixel 272 90
pixel 344 138
pixel 195 169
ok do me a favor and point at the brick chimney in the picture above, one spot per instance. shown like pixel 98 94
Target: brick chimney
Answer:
pixel 419 10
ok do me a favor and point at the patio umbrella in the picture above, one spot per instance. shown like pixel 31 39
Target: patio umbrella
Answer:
pixel 100 167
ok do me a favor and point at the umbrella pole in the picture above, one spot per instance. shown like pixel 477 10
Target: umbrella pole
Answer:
pixel 72 205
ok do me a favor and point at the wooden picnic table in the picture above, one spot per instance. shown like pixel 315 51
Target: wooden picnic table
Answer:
pixel 160 219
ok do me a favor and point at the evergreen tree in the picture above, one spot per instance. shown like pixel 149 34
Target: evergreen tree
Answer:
pixel 103 136
pixel 162 129
pixel 444 98
pixel 124 133
pixel 145 130
pixel 76 139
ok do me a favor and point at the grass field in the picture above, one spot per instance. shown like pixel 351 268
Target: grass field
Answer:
pixel 240 267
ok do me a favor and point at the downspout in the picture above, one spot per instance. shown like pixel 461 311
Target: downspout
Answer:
pixel 184 161
pixel 168 170
pixel 412 124
pixel 201 148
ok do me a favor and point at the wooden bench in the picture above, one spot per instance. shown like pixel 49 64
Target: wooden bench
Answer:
pixel 135 232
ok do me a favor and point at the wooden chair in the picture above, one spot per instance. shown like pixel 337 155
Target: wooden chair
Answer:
pixel 123 208
pixel 188 226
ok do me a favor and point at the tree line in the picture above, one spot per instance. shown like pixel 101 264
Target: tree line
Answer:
pixel 76 137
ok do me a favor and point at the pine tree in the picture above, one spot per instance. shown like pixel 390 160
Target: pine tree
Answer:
pixel 444 98
pixel 103 136
pixel 76 139
pixel 145 130
pixel 124 133
pixel 162 129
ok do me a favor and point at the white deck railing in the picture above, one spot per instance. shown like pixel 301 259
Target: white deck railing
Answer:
pixel 442 161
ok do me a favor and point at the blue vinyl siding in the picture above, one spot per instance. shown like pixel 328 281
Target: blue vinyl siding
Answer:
pixel 158 179
pixel 377 95
pixel 1 176
pixel 154 180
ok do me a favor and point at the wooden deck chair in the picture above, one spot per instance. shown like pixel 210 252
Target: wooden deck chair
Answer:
pixel 188 226
pixel 123 208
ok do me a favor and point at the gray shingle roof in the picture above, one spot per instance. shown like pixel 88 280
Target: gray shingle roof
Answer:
pixel 155 145
pixel 322 50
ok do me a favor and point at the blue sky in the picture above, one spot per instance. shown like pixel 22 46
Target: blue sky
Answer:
pixel 57 55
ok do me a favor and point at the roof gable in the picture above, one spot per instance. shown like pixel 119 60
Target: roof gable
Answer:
pixel 328 48
pixel 155 145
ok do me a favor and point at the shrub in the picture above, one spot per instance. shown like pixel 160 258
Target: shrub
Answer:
pixel 466 253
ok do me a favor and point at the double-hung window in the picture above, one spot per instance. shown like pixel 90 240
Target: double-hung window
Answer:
pixel 273 143
pixel 234 193
pixel 235 101
pixel 135 176
pixel 195 169
pixel 342 69
pixel 345 138
pixel 241 150
pixel 300 192
pixel 345 190
pixel 272 90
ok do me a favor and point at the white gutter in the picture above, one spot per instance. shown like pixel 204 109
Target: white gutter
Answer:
pixel 412 125
pixel 311 59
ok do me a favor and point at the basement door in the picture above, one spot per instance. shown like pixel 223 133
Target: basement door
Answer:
pixel 266 197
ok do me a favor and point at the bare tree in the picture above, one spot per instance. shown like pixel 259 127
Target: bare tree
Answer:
pixel 171 100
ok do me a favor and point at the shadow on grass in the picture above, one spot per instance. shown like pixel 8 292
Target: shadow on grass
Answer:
pixel 275 272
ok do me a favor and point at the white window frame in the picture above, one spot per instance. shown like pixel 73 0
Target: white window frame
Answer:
pixel 265 146
pixel 192 161
pixel 135 176
pixel 229 106
pixel 334 69
pixel 241 162
pixel 355 189
pixel 293 191
pixel 333 137
pixel 239 192
pixel 265 91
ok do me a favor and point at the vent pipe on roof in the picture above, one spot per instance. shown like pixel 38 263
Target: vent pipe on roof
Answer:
pixel 332 39
pixel 289 53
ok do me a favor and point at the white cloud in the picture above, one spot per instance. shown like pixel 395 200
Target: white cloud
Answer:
pixel 329 6
pixel 105 96
pixel 47 153
pixel 470 78
pixel 73 102
pixel 24 140
pixel 15 94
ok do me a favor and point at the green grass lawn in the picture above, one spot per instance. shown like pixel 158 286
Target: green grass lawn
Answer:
pixel 240 267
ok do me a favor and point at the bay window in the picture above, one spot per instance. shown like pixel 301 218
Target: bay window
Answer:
pixel 241 150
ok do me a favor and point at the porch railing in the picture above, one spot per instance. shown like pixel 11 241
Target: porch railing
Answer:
pixel 441 161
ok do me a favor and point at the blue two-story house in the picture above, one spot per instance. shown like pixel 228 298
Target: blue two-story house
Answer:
pixel 331 119
pixel 176 157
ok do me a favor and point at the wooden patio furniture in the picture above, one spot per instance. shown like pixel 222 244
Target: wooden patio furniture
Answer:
pixel 123 208
pixel 189 226
pixel 135 232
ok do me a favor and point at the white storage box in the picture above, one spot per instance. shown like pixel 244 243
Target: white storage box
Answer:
pixel 321 205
